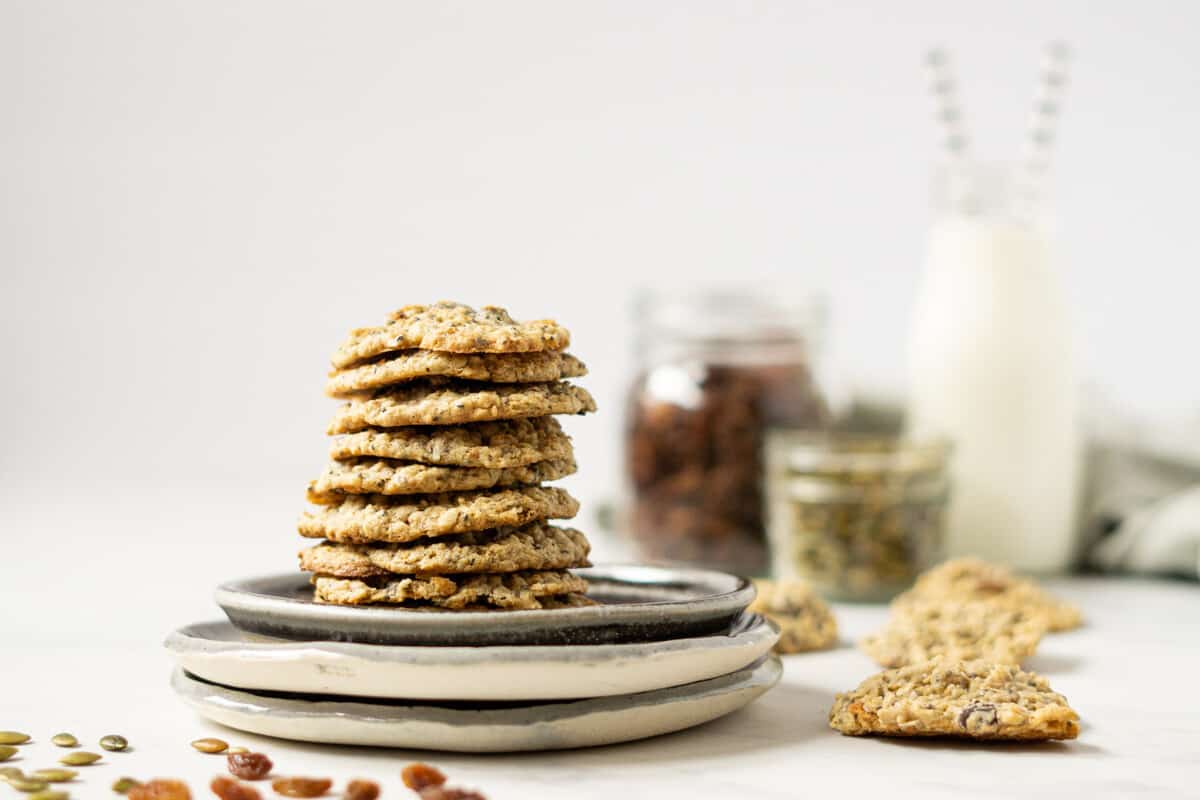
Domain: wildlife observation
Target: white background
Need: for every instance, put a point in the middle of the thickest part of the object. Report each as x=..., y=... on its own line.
x=201, y=198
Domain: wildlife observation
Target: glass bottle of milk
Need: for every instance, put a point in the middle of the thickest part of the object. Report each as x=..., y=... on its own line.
x=992, y=367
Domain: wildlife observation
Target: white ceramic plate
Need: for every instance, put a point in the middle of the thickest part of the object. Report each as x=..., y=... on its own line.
x=637, y=604
x=220, y=653
x=479, y=728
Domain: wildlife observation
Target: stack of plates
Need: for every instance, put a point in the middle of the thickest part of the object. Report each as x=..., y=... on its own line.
x=665, y=650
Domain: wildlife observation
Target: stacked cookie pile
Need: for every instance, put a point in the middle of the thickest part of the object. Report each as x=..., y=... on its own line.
x=433, y=497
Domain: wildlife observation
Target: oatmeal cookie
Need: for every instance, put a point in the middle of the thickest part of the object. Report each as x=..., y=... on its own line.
x=504, y=443
x=410, y=365
x=969, y=631
x=511, y=591
x=536, y=546
x=973, y=699
x=805, y=621
x=405, y=518
x=447, y=402
x=453, y=328
x=368, y=476
x=974, y=579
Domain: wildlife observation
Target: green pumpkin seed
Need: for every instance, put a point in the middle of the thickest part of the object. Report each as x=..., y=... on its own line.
x=80, y=758
x=7, y=751
x=7, y=773
x=123, y=785
x=49, y=795
x=114, y=742
x=27, y=785
x=53, y=775
x=13, y=737
x=64, y=740
x=210, y=745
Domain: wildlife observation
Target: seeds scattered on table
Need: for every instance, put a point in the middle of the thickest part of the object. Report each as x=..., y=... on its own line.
x=211, y=745
x=249, y=766
x=362, y=790
x=64, y=740
x=13, y=737
x=53, y=775
x=80, y=758
x=161, y=789
x=7, y=751
x=114, y=742
x=27, y=784
x=301, y=787
x=229, y=789
x=123, y=785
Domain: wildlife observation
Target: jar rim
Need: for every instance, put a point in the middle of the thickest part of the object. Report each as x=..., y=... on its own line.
x=809, y=452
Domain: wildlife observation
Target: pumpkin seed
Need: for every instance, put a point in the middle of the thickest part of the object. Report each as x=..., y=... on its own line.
x=123, y=785
x=13, y=737
x=233, y=751
x=53, y=775
x=49, y=794
x=27, y=785
x=64, y=740
x=80, y=758
x=7, y=773
x=114, y=742
x=210, y=745
x=7, y=751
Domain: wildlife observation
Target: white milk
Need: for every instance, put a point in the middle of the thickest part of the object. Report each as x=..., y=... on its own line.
x=992, y=368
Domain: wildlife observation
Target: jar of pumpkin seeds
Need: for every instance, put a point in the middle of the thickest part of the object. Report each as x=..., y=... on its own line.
x=857, y=517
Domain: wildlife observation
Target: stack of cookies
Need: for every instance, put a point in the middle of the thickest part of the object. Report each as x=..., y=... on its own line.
x=434, y=497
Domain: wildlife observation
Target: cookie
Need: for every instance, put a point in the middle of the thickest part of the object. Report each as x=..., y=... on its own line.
x=448, y=402
x=511, y=591
x=970, y=631
x=536, y=546
x=805, y=621
x=376, y=476
x=964, y=579
x=973, y=699
x=412, y=365
x=504, y=443
x=453, y=328
x=404, y=518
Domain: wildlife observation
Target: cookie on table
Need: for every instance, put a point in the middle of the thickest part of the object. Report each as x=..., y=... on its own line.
x=511, y=591
x=805, y=621
x=405, y=518
x=443, y=401
x=502, y=443
x=408, y=365
x=537, y=546
x=971, y=699
x=376, y=476
x=453, y=328
x=965, y=579
x=920, y=631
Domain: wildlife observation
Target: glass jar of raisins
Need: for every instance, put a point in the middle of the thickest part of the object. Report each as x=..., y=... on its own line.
x=717, y=370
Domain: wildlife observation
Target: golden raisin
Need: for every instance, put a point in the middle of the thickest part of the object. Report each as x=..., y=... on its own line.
x=229, y=789
x=249, y=766
x=420, y=776
x=301, y=787
x=160, y=789
x=362, y=790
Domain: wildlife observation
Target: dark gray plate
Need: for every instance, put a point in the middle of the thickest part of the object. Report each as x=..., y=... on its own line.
x=637, y=604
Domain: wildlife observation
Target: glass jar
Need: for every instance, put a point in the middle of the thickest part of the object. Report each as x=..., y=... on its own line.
x=856, y=517
x=716, y=371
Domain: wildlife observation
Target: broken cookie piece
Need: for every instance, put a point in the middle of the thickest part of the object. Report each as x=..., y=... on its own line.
x=972, y=699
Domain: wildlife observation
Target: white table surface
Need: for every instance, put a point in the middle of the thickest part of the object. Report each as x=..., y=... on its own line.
x=84, y=607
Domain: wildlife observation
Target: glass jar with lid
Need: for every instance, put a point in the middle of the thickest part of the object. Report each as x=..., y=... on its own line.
x=856, y=517
x=717, y=370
